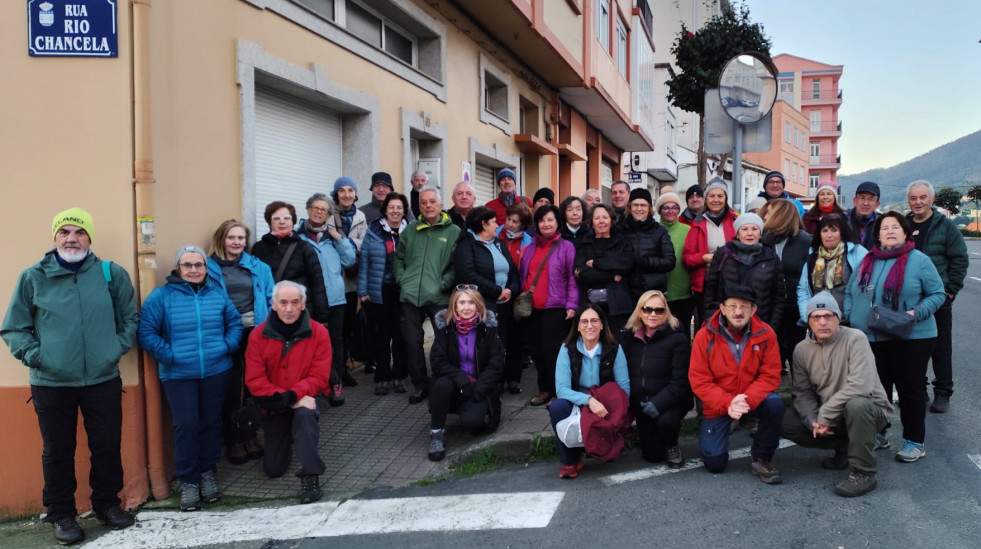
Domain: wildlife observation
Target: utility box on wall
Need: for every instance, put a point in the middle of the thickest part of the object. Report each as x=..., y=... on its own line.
x=431, y=167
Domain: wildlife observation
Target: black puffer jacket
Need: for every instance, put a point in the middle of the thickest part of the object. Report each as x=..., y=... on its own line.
x=793, y=260
x=658, y=368
x=303, y=268
x=474, y=264
x=489, y=363
x=652, y=254
x=764, y=275
x=611, y=257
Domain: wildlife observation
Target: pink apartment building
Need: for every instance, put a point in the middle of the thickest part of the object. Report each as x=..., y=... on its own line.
x=789, y=150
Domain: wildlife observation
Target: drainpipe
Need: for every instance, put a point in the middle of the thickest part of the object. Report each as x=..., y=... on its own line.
x=146, y=240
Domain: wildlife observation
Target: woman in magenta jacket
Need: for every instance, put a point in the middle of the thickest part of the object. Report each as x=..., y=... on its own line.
x=555, y=298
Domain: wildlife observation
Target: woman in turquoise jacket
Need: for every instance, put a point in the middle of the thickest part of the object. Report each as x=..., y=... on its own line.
x=824, y=269
x=894, y=275
x=248, y=281
x=192, y=329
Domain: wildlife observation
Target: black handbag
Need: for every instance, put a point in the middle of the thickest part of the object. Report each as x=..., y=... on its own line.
x=248, y=418
x=898, y=324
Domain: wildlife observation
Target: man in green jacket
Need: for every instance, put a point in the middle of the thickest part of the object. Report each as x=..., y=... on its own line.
x=839, y=402
x=937, y=236
x=424, y=272
x=70, y=320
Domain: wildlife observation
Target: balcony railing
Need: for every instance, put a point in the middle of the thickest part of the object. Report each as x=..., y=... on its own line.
x=826, y=126
x=825, y=160
x=821, y=95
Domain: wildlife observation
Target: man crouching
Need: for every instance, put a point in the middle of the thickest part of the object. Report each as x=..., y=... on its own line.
x=839, y=402
x=287, y=365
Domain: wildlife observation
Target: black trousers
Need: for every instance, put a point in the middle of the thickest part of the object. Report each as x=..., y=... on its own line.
x=391, y=361
x=286, y=430
x=57, y=416
x=903, y=364
x=444, y=399
x=237, y=392
x=511, y=333
x=412, y=337
x=547, y=328
x=336, y=321
x=660, y=433
x=682, y=309
x=943, y=375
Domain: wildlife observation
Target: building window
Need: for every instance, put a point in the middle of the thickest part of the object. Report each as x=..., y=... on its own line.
x=603, y=24
x=496, y=86
x=796, y=138
x=793, y=173
x=323, y=8
x=786, y=166
x=622, y=47
x=815, y=149
x=817, y=89
x=815, y=121
x=495, y=96
x=786, y=86
x=378, y=32
x=786, y=132
x=814, y=180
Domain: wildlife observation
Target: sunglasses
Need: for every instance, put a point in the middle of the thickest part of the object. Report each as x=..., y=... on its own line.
x=648, y=310
x=462, y=287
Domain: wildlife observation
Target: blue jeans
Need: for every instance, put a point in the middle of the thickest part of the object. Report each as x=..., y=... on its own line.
x=195, y=408
x=558, y=410
x=713, y=434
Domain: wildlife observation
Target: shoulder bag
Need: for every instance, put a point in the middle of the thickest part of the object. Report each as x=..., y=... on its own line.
x=523, y=303
x=897, y=324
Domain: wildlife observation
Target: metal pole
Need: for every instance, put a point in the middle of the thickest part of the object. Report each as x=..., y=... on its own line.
x=737, y=170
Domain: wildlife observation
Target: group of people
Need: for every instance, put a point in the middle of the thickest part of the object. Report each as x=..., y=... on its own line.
x=601, y=296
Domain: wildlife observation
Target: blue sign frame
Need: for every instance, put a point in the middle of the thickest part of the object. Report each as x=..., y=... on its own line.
x=72, y=28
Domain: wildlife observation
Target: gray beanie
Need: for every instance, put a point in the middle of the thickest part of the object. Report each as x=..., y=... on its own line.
x=823, y=300
x=190, y=248
x=717, y=183
x=748, y=218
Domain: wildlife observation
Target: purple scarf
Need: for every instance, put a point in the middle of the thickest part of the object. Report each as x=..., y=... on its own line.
x=894, y=280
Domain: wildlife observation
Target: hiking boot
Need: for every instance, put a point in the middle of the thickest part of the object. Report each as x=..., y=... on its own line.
x=67, y=531
x=418, y=396
x=881, y=442
x=837, y=463
x=236, y=453
x=190, y=497
x=381, y=388
x=541, y=398
x=369, y=367
x=349, y=380
x=398, y=386
x=941, y=402
x=675, y=461
x=210, y=492
x=437, y=451
x=570, y=471
x=857, y=483
x=115, y=518
x=911, y=451
x=514, y=388
x=310, y=489
x=335, y=397
x=253, y=449
x=765, y=471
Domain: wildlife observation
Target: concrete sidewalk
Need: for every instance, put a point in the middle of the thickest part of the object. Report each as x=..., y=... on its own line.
x=382, y=441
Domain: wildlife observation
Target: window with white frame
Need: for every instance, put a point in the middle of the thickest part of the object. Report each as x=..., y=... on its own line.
x=786, y=86
x=814, y=180
x=816, y=90
x=786, y=132
x=815, y=121
x=796, y=138
x=603, y=23
x=622, y=47
x=495, y=97
x=786, y=166
x=793, y=173
x=815, y=149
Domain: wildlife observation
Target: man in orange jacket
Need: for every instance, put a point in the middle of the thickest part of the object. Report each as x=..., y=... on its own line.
x=735, y=371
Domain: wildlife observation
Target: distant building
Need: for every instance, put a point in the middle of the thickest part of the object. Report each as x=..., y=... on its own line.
x=789, y=150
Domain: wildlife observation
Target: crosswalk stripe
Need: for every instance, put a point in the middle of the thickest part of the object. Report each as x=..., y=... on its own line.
x=976, y=459
x=442, y=514
x=658, y=470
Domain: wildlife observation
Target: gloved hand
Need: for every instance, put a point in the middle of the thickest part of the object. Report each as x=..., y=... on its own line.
x=650, y=409
x=277, y=401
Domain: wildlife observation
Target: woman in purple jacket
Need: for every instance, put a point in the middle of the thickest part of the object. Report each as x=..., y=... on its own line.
x=555, y=296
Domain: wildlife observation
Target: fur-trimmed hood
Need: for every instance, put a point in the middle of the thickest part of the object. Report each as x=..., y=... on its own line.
x=440, y=319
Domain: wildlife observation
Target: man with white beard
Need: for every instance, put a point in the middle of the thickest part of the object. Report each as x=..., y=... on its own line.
x=71, y=318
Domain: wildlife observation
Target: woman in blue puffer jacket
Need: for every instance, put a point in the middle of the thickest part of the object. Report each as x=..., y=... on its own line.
x=191, y=328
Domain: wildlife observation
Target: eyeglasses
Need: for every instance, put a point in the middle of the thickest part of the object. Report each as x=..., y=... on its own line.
x=462, y=287
x=317, y=209
x=670, y=208
x=740, y=307
x=588, y=321
x=658, y=310
x=822, y=317
x=190, y=266
x=277, y=218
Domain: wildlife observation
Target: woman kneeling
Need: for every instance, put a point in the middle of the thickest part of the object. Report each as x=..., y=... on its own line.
x=468, y=361
x=589, y=359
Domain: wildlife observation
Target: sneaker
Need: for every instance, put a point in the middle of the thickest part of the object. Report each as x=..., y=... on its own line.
x=310, y=489
x=115, y=518
x=911, y=451
x=253, y=449
x=418, y=396
x=437, y=451
x=675, y=460
x=541, y=398
x=369, y=367
x=349, y=380
x=941, y=402
x=335, y=397
x=210, y=492
x=190, y=497
x=236, y=453
x=398, y=386
x=857, y=483
x=837, y=463
x=570, y=471
x=514, y=388
x=67, y=531
x=881, y=442
x=381, y=388
x=765, y=471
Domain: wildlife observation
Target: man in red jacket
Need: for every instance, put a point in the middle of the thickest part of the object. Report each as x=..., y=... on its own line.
x=287, y=365
x=735, y=371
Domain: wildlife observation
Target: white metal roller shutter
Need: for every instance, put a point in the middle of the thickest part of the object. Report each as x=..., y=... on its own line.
x=483, y=184
x=298, y=152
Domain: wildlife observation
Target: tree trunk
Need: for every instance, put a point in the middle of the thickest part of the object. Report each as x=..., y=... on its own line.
x=701, y=152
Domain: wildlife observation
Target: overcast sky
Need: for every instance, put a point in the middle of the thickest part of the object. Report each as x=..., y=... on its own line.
x=912, y=69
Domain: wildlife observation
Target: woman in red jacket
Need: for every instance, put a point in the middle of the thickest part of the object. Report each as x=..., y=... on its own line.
x=708, y=234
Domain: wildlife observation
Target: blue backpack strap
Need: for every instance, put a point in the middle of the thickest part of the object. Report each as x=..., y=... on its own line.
x=106, y=272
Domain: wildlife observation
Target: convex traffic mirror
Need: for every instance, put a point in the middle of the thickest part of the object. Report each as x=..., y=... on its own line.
x=748, y=87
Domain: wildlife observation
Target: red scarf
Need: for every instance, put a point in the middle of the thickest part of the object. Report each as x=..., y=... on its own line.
x=463, y=326
x=894, y=280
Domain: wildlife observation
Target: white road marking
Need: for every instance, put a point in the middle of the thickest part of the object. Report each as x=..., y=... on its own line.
x=976, y=459
x=160, y=529
x=975, y=278
x=442, y=514
x=659, y=470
